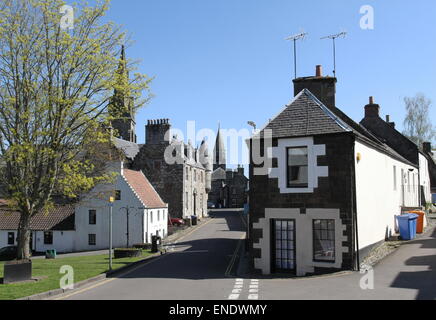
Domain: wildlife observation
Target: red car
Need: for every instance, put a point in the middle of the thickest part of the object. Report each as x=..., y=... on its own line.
x=176, y=222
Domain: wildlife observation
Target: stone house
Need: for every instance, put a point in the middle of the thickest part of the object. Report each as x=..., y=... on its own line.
x=328, y=189
x=229, y=187
x=180, y=172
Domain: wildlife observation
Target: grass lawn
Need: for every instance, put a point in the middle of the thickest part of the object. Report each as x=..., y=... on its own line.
x=84, y=267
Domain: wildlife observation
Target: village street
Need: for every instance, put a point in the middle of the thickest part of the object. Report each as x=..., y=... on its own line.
x=199, y=269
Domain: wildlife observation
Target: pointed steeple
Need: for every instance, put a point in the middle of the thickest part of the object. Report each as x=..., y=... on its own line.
x=121, y=104
x=219, y=152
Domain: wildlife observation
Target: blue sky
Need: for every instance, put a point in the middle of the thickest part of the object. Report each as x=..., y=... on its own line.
x=227, y=60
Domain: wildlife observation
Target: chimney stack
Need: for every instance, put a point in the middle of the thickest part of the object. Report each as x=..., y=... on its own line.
x=319, y=71
x=426, y=146
x=372, y=110
x=324, y=88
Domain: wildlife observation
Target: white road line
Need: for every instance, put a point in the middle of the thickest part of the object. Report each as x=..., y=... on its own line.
x=253, y=297
x=234, y=297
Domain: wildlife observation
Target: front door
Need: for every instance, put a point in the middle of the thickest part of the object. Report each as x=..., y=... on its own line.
x=283, y=246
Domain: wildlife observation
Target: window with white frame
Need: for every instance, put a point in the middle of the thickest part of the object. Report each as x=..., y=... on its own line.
x=297, y=167
x=324, y=240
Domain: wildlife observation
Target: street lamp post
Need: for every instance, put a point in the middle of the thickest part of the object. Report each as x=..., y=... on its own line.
x=111, y=205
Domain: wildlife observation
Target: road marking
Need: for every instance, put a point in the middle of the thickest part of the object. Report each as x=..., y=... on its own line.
x=234, y=256
x=238, y=288
x=254, y=290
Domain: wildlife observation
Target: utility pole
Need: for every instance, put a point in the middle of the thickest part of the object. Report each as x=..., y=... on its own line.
x=294, y=38
x=127, y=231
x=111, y=204
x=333, y=37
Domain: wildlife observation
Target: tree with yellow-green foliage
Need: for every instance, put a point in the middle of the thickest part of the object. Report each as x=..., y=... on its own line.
x=55, y=87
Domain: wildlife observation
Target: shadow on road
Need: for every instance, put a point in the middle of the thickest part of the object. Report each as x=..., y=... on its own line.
x=423, y=281
x=206, y=257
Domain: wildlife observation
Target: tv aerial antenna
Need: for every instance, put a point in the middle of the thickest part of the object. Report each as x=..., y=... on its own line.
x=295, y=38
x=333, y=37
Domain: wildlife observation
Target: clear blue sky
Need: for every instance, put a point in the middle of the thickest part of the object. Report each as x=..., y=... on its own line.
x=227, y=60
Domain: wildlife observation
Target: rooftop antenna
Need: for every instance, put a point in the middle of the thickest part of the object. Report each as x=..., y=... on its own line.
x=294, y=38
x=334, y=37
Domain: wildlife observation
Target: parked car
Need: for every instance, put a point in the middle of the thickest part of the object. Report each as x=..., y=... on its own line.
x=8, y=253
x=176, y=222
x=211, y=205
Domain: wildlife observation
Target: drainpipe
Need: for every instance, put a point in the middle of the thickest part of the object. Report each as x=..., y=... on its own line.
x=355, y=230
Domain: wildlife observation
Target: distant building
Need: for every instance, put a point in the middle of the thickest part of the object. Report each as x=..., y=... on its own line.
x=185, y=183
x=229, y=187
x=138, y=213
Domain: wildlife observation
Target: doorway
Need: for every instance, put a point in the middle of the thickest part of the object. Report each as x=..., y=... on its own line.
x=283, y=244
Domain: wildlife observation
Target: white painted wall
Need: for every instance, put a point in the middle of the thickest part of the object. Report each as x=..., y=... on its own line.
x=378, y=201
x=155, y=223
x=97, y=200
x=424, y=177
x=4, y=238
x=63, y=241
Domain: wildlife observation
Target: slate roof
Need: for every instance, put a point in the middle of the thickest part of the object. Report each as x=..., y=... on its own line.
x=219, y=174
x=307, y=116
x=143, y=188
x=130, y=149
x=59, y=218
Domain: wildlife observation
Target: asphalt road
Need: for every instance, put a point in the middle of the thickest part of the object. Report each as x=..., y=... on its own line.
x=199, y=267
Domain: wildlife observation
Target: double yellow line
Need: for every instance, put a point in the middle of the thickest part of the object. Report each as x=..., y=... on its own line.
x=235, y=255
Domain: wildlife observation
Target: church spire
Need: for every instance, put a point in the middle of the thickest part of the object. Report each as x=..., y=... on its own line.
x=121, y=104
x=219, y=151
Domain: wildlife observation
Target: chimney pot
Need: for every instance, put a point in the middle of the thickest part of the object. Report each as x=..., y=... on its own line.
x=426, y=146
x=372, y=110
x=319, y=71
x=388, y=119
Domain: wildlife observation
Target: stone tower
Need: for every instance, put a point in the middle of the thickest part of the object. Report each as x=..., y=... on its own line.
x=219, y=152
x=121, y=106
x=205, y=160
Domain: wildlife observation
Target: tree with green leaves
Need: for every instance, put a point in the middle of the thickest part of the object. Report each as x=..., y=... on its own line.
x=55, y=88
x=417, y=124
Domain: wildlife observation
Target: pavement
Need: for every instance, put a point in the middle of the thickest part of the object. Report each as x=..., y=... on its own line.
x=407, y=274
x=202, y=265
x=74, y=254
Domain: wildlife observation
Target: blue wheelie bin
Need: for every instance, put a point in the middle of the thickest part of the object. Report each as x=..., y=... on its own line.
x=407, y=226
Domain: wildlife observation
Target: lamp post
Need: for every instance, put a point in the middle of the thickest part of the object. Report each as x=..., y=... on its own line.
x=111, y=205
